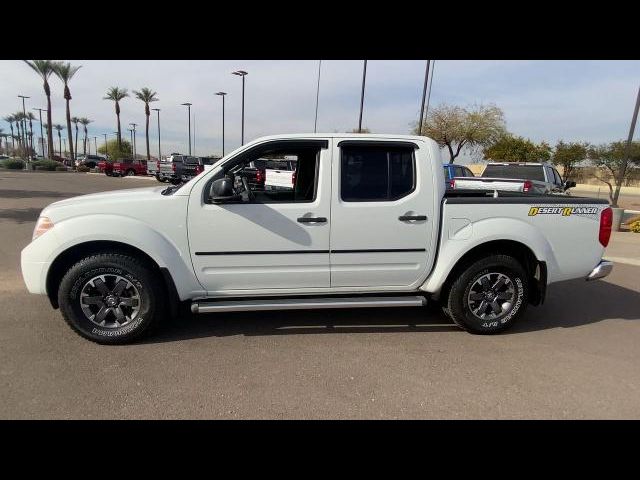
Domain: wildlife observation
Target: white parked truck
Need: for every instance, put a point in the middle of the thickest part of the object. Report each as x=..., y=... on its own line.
x=525, y=177
x=367, y=224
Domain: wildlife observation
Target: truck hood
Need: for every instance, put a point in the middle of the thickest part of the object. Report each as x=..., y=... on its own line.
x=114, y=202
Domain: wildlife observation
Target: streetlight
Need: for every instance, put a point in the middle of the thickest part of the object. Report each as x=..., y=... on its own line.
x=131, y=137
x=158, y=110
x=424, y=96
x=106, y=148
x=433, y=67
x=134, y=125
x=222, y=94
x=24, y=122
x=241, y=73
x=188, y=105
x=364, y=76
x=40, y=110
x=315, y=123
x=95, y=144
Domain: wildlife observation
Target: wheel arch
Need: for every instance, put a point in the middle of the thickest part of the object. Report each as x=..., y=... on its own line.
x=73, y=254
x=536, y=269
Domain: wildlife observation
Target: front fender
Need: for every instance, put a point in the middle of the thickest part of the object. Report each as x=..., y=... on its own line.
x=168, y=253
x=454, y=247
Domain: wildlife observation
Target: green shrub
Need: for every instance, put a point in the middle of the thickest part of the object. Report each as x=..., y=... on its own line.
x=14, y=164
x=635, y=226
x=83, y=168
x=61, y=168
x=49, y=165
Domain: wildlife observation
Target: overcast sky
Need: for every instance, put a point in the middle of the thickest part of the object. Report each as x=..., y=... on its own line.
x=543, y=100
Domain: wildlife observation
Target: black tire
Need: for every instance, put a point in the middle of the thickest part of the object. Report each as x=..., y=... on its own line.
x=490, y=270
x=130, y=173
x=145, y=287
x=160, y=179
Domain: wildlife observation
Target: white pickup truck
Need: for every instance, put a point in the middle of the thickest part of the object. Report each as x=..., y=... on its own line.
x=367, y=224
x=525, y=177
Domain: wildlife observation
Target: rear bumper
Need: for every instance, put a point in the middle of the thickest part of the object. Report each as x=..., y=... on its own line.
x=603, y=269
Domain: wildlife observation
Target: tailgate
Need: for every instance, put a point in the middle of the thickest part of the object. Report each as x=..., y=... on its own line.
x=279, y=178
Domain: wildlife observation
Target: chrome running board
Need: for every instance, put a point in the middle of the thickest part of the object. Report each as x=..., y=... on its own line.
x=305, y=303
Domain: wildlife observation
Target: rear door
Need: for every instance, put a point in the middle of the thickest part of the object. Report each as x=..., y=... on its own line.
x=382, y=214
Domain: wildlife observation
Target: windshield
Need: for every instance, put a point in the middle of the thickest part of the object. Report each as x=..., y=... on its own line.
x=522, y=172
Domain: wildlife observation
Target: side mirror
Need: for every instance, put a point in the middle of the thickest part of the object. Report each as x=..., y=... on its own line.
x=569, y=184
x=221, y=191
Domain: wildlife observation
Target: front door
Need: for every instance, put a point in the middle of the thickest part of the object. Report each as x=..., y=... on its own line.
x=382, y=214
x=269, y=240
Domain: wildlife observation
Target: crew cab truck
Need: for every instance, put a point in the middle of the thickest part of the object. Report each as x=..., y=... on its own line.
x=367, y=224
x=129, y=168
x=526, y=177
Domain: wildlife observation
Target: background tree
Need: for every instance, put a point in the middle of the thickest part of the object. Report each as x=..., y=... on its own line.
x=510, y=148
x=147, y=96
x=456, y=127
x=44, y=68
x=355, y=130
x=59, y=128
x=85, y=121
x=568, y=155
x=116, y=150
x=31, y=117
x=65, y=72
x=75, y=121
x=10, y=119
x=609, y=158
x=116, y=94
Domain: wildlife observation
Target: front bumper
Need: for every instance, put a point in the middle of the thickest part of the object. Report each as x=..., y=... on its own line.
x=603, y=269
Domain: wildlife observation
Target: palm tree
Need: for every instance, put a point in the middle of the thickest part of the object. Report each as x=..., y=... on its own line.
x=44, y=68
x=147, y=96
x=10, y=119
x=85, y=121
x=75, y=121
x=65, y=72
x=18, y=119
x=31, y=117
x=59, y=128
x=116, y=94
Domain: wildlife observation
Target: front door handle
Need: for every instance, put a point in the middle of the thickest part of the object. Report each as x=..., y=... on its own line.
x=312, y=220
x=406, y=218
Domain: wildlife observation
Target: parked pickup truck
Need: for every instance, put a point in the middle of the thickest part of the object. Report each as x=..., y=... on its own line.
x=170, y=168
x=129, y=168
x=516, y=177
x=367, y=224
x=194, y=166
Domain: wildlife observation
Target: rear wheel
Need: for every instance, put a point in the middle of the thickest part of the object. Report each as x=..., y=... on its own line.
x=489, y=296
x=111, y=298
x=131, y=173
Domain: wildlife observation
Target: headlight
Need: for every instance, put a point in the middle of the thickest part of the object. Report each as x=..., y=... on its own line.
x=42, y=225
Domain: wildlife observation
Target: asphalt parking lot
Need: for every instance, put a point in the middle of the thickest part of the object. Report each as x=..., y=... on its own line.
x=578, y=356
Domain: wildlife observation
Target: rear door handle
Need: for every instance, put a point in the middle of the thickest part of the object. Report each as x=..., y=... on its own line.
x=406, y=218
x=312, y=220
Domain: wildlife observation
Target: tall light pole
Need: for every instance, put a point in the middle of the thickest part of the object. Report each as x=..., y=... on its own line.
x=364, y=76
x=95, y=144
x=222, y=94
x=158, y=110
x=134, y=125
x=24, y=122
x=426, y=110
x=424, y=97
x=315, y=123
x=188, y=105
x=241, y=73
x=627, y=152
x=40, y=110
x=106, y=148
x=131, y=137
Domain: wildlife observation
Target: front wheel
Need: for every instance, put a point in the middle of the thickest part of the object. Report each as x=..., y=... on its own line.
x=131, y=173
x=111, y=298
x=490, y=295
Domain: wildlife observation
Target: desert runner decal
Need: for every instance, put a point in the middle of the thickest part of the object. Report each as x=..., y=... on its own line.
x=563, y=211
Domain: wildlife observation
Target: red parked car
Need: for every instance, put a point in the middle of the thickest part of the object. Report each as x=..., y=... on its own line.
x=128, y=167
x=105, y=167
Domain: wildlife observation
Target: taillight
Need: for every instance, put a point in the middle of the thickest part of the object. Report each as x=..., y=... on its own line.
x=259, y=176
x=527, y=186
x=606, y=222
x=158, y=165
x=173, y=167
x=199, y=169
x=293, y=179
x=452, y=183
